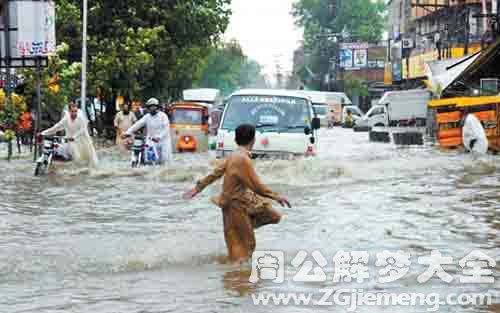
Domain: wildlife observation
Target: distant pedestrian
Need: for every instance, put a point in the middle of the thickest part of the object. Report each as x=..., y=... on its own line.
x=123, y=121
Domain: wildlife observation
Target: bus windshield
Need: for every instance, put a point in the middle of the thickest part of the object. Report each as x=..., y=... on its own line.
x=271, y=113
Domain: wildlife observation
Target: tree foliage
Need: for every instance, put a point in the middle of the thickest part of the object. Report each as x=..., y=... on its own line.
x=363, y=19
x=358, y=20
x=60, y=81
x=136, y=48
x=227, y=68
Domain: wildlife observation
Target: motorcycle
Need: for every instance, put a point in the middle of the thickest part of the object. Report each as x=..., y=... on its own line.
x=144, y=152
x=49, y=147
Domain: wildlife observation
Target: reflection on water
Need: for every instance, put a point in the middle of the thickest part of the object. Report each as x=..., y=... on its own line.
x=122, y=240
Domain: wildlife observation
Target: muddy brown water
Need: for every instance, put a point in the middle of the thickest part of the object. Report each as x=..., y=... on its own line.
x=118, y=240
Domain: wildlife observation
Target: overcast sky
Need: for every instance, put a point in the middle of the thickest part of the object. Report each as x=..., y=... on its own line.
x=266, y=31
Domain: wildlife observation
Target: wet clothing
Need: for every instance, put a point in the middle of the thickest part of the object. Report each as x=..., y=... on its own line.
x=122, y=123
x=157, y=126
x=241, y=203
x=81, y=150
x=474, y=136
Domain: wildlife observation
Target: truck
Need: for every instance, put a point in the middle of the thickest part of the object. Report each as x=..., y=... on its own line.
x=398, y=108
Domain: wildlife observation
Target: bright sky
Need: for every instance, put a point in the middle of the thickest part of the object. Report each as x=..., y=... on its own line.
x=266, y=31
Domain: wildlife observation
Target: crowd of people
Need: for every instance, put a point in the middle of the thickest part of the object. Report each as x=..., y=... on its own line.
x=244, y=200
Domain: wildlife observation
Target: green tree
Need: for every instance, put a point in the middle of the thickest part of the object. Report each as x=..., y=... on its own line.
x=60, y=82
x=364, y=19
x=136, y=48
x=227, y=68
x=355, y=86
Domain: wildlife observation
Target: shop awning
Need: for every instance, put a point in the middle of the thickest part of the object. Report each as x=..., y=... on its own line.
x=441, y=74
x=486, y=65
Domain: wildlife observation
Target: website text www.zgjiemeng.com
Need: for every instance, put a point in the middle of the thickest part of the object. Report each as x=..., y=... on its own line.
x=355, y=298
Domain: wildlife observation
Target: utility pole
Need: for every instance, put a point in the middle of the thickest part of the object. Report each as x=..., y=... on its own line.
x=6, y=18
x=84, y=57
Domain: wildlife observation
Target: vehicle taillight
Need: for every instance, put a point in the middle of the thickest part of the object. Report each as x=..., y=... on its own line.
x=310, y=151
x=220, y=146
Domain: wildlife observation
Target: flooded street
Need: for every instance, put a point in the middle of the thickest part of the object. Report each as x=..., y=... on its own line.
x=118, y=240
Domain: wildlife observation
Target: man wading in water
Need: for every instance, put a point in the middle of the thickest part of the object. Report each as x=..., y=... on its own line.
x=242, y=209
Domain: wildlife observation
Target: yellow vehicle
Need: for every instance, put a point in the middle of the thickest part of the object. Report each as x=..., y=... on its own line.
x=449, y=114
x=189, y=126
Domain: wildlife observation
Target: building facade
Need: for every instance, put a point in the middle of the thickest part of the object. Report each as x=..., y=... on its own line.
x=428, y=30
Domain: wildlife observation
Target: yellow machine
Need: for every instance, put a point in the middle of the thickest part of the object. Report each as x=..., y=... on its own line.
x=449, y=114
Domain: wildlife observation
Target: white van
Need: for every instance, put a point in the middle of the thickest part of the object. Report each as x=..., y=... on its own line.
x=284, y=120
x=320, y=105
x=327, y=105
x=398, y=108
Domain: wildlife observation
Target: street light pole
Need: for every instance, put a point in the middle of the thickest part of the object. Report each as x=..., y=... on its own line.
x=84, y=57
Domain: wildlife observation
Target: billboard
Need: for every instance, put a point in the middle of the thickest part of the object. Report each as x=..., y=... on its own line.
x=397, y=74
x=346, y=60
x=36, y=35
x=355, y=46
x=33, y=32
x=360, y=58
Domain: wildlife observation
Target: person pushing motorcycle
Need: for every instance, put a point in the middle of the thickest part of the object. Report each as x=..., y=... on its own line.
x=157, y=130
x=79, y=148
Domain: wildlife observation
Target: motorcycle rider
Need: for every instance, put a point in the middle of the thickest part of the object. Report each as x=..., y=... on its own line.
x=79, y=147
x=157, y=129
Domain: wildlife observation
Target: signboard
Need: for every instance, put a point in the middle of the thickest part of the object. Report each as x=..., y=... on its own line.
x=396, y=71
x=354, y=46
x=346, y=58
x=31, y=31
x=418, y=64
x=36, y=34
x=360, y=58
x=388, y=74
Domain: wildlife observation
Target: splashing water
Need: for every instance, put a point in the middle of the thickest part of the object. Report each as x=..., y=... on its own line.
x=118, y=239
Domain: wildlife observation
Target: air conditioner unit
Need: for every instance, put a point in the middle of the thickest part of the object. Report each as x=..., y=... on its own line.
x=407, y=43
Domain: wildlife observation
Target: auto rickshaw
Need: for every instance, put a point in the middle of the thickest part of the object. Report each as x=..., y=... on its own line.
x=449, y=113
x=189, y=126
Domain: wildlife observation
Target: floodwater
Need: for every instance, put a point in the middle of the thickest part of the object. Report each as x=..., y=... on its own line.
x=119, y=240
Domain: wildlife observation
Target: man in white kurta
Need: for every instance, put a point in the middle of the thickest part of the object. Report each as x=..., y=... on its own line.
x=79, y=146
x=157, y=130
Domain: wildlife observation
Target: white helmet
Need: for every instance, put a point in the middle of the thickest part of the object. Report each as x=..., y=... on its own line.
x=152, y=102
